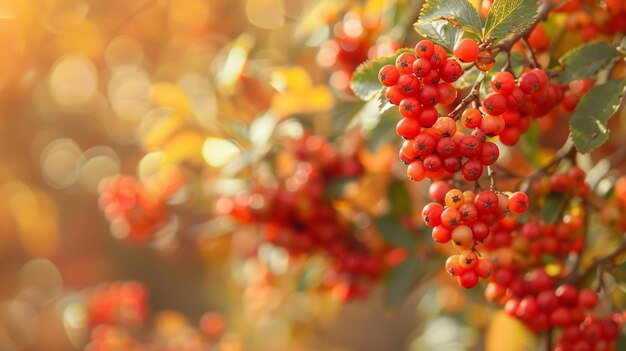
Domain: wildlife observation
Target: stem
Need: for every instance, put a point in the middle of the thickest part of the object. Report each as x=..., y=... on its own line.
x=598, y=263
x=531, y=52
x=473, y=96
x=492, y=178
x=546, y=341
x=569, y=152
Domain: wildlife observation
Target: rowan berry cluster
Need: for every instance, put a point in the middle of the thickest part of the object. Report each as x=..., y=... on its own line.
x=297, y=216
x=118, y=303
x=592, y=19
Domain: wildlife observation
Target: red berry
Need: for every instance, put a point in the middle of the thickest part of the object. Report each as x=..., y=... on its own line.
x=453, y=266
x=408, y=128
x=489, y=153
x=431, y=214
x=409, y=107
x=468, y=279
x=424, y=49
x=428, y=117
x=471, y=118
x=472, y=170
x=446, y=147
x=518, y=202
x=484, y=268
x=450, y=71
x=421, y=67
x=409, y=85
x=587, y=298
x=441, y=234
x=439, y=56
x=484, y=61
x=394, y=95
x=416, y=171
x=503, y=83
x=450, y=218
x=466, y=50
x=388, y=75
x=446, y=93
x=428, y=96
x=468, y=259
x=529, y=83
x=404, y=62
x=424, y=144
x=494, y=104
x=470, y=146
x=492, y=125
x=486, y=201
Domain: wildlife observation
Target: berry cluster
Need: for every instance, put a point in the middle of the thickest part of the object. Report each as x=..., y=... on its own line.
x=135, y=214
x=119, y=303
x=354, y=40
x=465, y=220
x=295, y=214
x=592, y=333
x=592, y=19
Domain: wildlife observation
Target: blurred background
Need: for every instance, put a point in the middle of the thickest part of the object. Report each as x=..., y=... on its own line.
x=195, y=101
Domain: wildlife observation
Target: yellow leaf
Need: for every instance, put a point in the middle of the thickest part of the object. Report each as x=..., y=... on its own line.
x=506, y=333
x=316, y=99
x=170, y=95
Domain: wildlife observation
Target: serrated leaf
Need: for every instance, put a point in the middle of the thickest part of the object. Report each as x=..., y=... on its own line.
x=391, y=230
x=442, y=33
x=399, y=200
x=383, y=103
x=586, y=60
x=458, y=13
x=365, y=82
x=508, y=17
x=400, y=281
x=588, y=126
x=552, y=206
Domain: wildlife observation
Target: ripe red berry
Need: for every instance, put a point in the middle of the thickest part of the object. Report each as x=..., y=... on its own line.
x=470, y=146
x=431, y=214
x=468, y=279
x=446, y=93
x=509, y=136
x=453, y=266
x=489, y=153
x=494, y=104
x=450, y=71
x=484, y=267
x=421, y=67
x=468, y=259
x=472, y=170
x=432, y=163
x=409, y=107
x=446, y=147
x=428, y=96
x=492, y=125
x=503, y=83
x=486, y=201
x=424, y=49
x=408, y=128
x=587, y=298
x=416, y=171
x=466, y=50
x=450, y=218
x=404, y=62
x=454, y=198
x=529, y=83
x=471, y=118
x=424, y=144
x=388, y=75
x=428, y=117
x=439, y=56
x=394, y=95
x=409, y=84
x=518, y=202
x=441, y=234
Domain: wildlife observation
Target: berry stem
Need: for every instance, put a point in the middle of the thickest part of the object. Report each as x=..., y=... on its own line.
x=492, y=178
x=473, y=96
x=598, y=263
x=531, y=52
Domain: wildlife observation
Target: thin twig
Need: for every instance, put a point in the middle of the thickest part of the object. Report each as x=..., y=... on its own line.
x=531, y=52
x=473, y=96
x=597, y=263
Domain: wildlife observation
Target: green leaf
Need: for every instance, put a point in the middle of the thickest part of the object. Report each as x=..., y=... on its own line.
x=391, y=230
x=401, y=280
x=588, y=126
x=436, y=15
x=441, y=33
x=365, y=82
x=552, y=206
x=383, y=103
x=399, y=200
x=586, y=60
x=508, y=17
